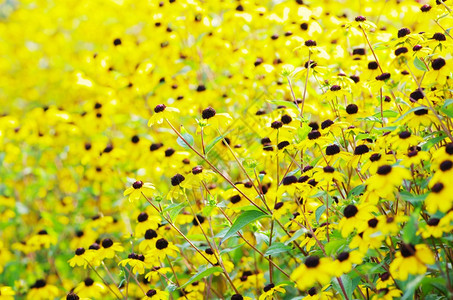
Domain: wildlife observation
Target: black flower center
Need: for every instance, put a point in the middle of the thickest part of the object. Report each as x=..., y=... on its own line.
x=350, y=211
x=446, y=165
x=403, y=32
x=312, y=261
x=208, y=113
x=142, y=217
x=80, y=251
x=278, y=205
x=361, y=149
x=88, y=281
x=310, y=43
x=107, y=243
x=343, y=256
x=276, y=124
x=150, y=234
x=384, y=170
x=177, y=179
x=289, y=180
x=159, y=108
x=235, y=199
x=360, y=19
x=433, y=222
x=286, y=119
x=197, y=170
x=438, y=187
x=407, y=250
x=373, y=222
x=314, y=134
x=328, y=169
x=352, y=109
x=269, y=287
x=151, y=293
x=282, y=145
x=438, y=63
x=332, y=149
x=137, y=184
x=161, y=244
x=200, y=220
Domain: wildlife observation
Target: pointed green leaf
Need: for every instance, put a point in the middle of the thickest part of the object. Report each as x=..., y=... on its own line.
x=277, y=248
x=243, y=220
x=201, y=275
x=420, y=65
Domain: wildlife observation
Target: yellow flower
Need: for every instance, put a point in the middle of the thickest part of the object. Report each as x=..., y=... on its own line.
x=135, y=191
x=355, y=217
x=156, y=295
x=314, y=270
x=80, y=258
x=411, y=260
x=270, y=290
x=136, y=261
x=162, y=112
x=162, y=248
x=345, y=260
x=90, y=289
x=6, y=293
x=41, y=291
x=109, y=249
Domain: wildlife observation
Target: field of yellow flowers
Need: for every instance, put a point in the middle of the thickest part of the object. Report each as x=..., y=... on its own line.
x=189, y=149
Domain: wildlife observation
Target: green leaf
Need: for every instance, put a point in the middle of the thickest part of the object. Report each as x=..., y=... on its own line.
x=420, y=65
x=201, y=275
x=277, y=248
x=414, y=109
x=174, y=209
x=411, y=286
x=357, y=190
x=319, y=211
x=416, y=200
x=302, y=132
x=411, y=228
x=347, y=284
x=296, y=235
x=333, y=246
x=447, y=108
x=243, y=220
x=285, y=103
x=212, y=143
x=431, y=142
x=187, y=136
x=386, y=114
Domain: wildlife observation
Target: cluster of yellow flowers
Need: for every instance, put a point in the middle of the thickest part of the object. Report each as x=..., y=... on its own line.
x=185, y=149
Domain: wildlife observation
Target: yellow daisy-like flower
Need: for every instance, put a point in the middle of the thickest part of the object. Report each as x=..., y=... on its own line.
x=7, y=293
x=109, y=249
x=387, y=294
x=345, y=260
x=355, y=217
x=136, y=261
x=156, y=295
x=135, y=191
x=386, y=179
x=90, y=289
x=360, y=22
x=440, y=198
x=270, y=290
x=80, y=258
x=162, y=249
x=42, y=291
x=314, y=270
x=411, y=260
x=436, y=227
x=162, y=112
